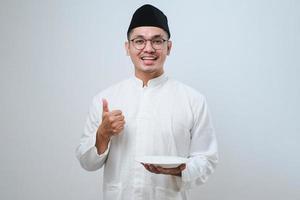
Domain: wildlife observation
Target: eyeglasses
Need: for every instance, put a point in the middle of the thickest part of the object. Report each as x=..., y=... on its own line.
x=156, y=43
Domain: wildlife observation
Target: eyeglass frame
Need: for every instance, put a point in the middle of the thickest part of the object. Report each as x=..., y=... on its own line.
x=151, y=42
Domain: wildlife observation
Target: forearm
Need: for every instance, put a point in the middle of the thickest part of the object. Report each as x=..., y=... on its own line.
x=88, y=155
x=101, y=142
x=91, y=160
x=198, y=169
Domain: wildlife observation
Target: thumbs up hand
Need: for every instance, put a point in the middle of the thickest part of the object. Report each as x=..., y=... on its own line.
x=112, y=121
x=112, y=124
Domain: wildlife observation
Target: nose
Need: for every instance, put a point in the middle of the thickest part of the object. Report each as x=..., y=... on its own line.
x=148, y=47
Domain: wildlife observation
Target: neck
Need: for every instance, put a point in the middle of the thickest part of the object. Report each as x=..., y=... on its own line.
x=145, y=77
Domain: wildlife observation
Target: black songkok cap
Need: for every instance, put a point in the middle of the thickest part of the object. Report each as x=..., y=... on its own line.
x=148, y=15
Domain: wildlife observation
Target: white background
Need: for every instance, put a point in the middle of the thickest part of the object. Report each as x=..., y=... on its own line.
x=244, y=56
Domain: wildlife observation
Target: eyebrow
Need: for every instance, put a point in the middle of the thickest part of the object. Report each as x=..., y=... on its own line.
x=155, y=36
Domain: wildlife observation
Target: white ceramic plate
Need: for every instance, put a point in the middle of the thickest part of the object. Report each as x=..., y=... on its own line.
x=162, y=161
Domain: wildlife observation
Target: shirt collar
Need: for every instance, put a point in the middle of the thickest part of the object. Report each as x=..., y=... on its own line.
x=152, y=82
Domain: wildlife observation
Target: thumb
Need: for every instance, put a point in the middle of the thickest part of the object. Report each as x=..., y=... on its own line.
x=105, y=105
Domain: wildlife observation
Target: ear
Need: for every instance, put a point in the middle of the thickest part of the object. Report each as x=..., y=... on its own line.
x=127, y=48
x=169, y=47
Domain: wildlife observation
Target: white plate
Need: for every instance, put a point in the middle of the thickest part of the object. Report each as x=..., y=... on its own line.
x=162, y=161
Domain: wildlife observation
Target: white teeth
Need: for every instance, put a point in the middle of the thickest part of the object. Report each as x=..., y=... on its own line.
x=148, y=58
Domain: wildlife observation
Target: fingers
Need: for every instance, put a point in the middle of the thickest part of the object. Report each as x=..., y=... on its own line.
x=112, y=113
x=168, y=171
x=116, y=112
x=172, y=171
x=151, y=168
x=118, y=127
x=105, y=105
x=106, y=109
x=116, y=123
x=116, y=118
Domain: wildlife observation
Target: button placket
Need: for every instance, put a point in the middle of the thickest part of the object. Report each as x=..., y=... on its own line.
x=139, y=140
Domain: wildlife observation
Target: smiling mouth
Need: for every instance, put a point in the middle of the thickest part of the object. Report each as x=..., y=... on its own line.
x=148, y=58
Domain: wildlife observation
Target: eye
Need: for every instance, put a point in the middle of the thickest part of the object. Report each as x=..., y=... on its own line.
x=139, y=41
x=157, y=41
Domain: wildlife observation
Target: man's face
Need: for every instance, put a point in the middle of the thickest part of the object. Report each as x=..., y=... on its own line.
x=148, y=60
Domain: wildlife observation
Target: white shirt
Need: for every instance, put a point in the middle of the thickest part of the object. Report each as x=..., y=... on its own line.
x=166, y=118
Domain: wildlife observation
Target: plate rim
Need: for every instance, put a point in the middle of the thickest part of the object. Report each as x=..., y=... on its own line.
x=181, y=160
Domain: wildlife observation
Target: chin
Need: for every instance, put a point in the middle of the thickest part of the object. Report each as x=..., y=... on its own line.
x=148, y=68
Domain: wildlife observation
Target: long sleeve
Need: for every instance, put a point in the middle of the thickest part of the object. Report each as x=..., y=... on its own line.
x=203, y=156
x=86, y=152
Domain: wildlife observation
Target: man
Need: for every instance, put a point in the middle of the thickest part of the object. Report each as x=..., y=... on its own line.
x=149, y=114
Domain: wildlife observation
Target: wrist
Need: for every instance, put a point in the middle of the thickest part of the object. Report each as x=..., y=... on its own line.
x=102, y=134
x=179, y=174
x=102, y=141
x=104, y=137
